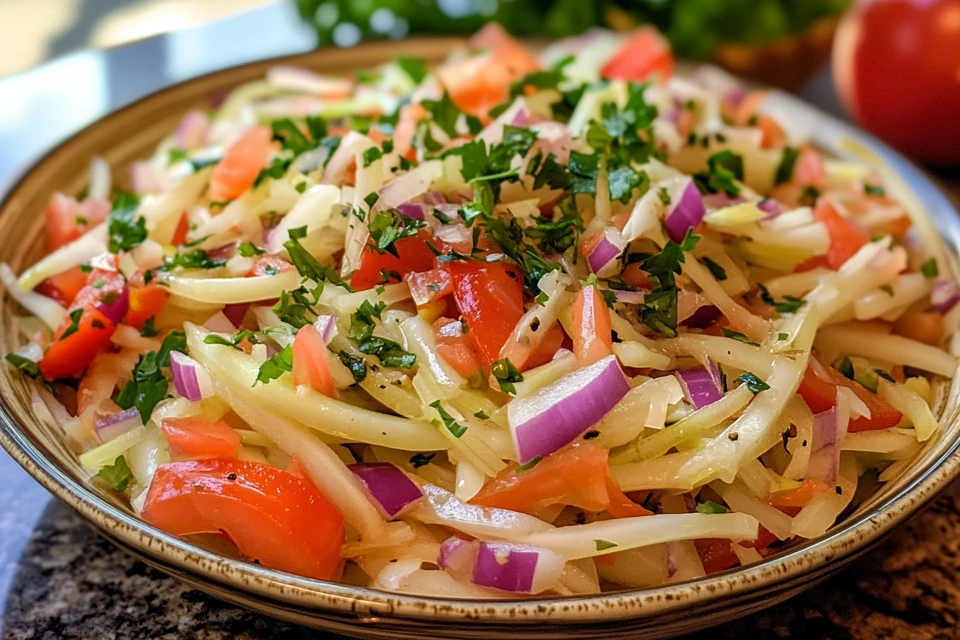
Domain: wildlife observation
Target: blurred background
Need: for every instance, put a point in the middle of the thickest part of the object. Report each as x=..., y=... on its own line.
x=895, y=65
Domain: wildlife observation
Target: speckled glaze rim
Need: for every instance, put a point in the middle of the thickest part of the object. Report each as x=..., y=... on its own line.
x=779, y=574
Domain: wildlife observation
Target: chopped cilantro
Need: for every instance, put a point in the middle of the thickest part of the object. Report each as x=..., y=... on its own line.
x=603, y=545
x=126, y=229
x=845, y=366
x=356, y=365
x=421, y=460
x=711, y=507
x=755, y=384
x=715, y=269
x=530, y=465
x=789, y=304
x=195, y=259
x=506, y=374
x=874, y=190
x=307, y=265
x=724, y=169
x=26, y=365
x=929, y=268
x=248, y=250
x=147, y=387
x=480, y=415
x=736, y=335
x=118, y=475
x=659, y=308
x=452, y=425
x=416, y=68
x=387, y=227
x=149, y=330
x=883, y=374
x=787, y=163
x=276, y=366
x=887, y=289
x=74, y=325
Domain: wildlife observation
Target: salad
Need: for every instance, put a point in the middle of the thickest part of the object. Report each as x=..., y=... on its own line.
x=514, y=325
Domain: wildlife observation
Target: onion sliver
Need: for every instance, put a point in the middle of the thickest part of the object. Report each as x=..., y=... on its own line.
x=117, y=306
x=557, y=414
x=506, y=566
x=945, y=295
x=41, y=306
x=326, y=326
x=232, y=290
x=602, y=257
x=686, y=214
x=116, y=424
x=611, y=536
x=699, y=386
x=191, y=380
x=391, y=489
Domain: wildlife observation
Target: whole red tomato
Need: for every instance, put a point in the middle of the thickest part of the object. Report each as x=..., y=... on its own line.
x=897, y=69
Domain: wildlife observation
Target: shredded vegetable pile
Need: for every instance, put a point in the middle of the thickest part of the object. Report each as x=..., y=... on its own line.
x=514, y=325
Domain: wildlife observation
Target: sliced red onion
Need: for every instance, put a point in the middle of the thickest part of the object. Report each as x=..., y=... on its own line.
x=824, y=463
x=326, y=326
x=699, y=386
x=116, y=424
x=391, y=489
x=703, y=317
x=307, y=81
x=672, y=551
x=714, y=372
x=235, y=313
x=189, y=377
x=456, y=234
x=343, y=157
x=558, y=414
x=629, y=297
x=219, y=323
x=408, y=186
x=411, y=210
x=506, y=566
x=224, y=252
x=456, y=554
x=603, y=256
x=192, y=130
x=520, y=118
x=945, y=295
x=721, y=200
x=771, y=207
x=517, y=568
x=434, y=198
x=116, y=309
x=687, y=212
x=144, y=178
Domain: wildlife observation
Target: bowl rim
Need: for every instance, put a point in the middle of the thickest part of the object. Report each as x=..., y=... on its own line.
x=838, y=545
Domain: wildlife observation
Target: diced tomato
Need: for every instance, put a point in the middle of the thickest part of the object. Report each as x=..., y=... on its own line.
x=146, y=301
x=310, y=365
x=273, y=517
x=66, y=219
x=592, y=336
x=455, y=348
x=636, y=277
x=819, y=390
x=811, y=263
x=410, y=116
x=547, y=348
x=195, y=437
x=478, y=83
x=69, y=356
x=183, y=228
x=577, y=475
x=63, y=287
x=846, y=237
x=644, y=54
x=799, y=497
x=773, y=134
x=809, y=169
x=239, y=167
x=717, y=555
x=415, y=256
x=427, y=286
x=923, y=326
x=489, y=297
x=268, y=266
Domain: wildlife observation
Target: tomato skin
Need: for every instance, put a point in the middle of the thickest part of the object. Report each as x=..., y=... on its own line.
x=895, y=67
x=577, y=475
x=66, y=219
x=195, y=437
x=429, y=285
x=455, y=348
x=593, y=337
x=645, y=53
x=799, y=497
x=546, y=349
x=274, y=517
x=68, y=357
x=489, y=297
x=415, y=256
x=180, y=234
x=63, y=287
x=269, y=265
x=846, y=237
x=819, y=390
x=310, y=365
x=479, y=83
x=146, y=301
x=239, y=167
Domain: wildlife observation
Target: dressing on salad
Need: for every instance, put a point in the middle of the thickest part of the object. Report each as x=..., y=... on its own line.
x=515, y=325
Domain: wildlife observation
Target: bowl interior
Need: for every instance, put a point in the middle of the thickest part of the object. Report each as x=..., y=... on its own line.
x=133, y=132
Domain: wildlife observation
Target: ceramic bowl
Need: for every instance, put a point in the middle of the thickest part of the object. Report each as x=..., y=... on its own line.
x=131, y=133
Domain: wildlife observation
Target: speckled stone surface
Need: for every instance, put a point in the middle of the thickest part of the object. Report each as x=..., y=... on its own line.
x=61, y=580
